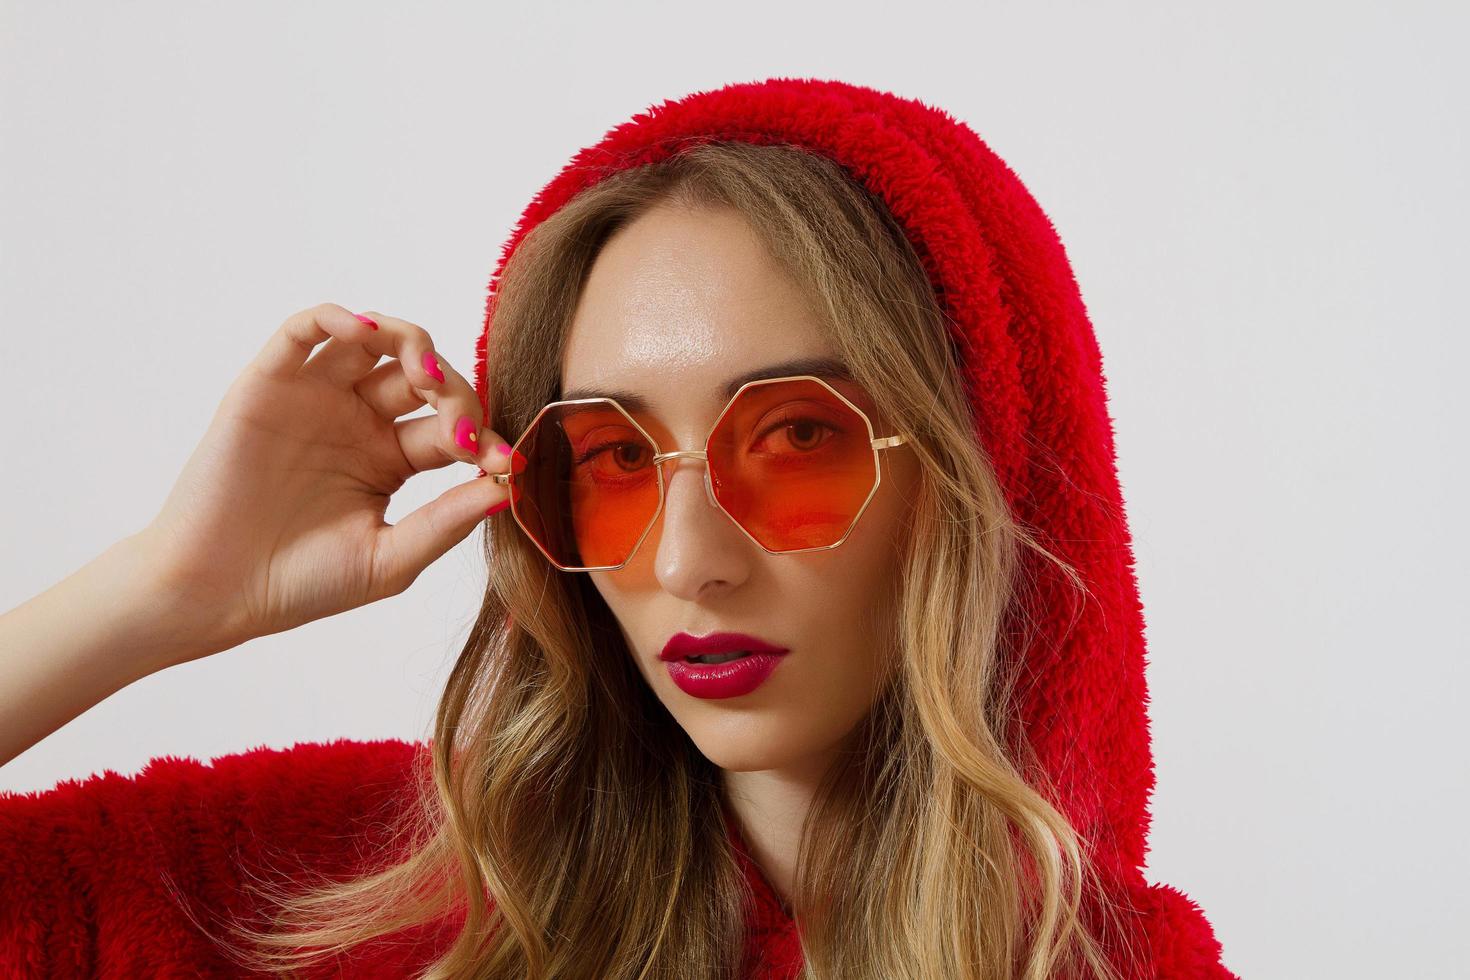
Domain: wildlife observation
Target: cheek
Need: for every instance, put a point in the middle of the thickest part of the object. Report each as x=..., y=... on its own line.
x=847, y=606
x=874, y=550
x=625, y=608
x=867, y=581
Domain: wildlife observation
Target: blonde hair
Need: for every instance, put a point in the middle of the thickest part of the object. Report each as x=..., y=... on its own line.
x=575, y=826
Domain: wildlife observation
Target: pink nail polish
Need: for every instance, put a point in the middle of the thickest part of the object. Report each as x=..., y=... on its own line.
x=498, y=507
x=367, y=319
x=465, y=434
x=432, y=366
x=503, y=449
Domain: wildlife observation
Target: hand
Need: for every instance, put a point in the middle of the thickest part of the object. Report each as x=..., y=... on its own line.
x=277, y=518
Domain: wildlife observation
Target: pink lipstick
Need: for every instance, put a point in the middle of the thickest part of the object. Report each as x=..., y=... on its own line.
x=746, y=662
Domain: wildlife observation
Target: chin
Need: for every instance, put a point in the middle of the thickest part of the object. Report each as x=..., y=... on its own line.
x=740, y=758
x=738, y=748
x=746, y=745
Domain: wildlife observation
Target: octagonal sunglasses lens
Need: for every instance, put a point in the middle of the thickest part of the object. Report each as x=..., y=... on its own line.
x=793, y=464
x=585, y=488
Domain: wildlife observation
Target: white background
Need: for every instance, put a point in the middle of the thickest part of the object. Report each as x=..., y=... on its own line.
x=1265, y=205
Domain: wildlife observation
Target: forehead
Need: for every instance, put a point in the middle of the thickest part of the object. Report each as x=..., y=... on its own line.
x=827, y=368
x=684, y=306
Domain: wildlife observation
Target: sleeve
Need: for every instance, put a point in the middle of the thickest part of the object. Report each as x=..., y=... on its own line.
x=96, y=874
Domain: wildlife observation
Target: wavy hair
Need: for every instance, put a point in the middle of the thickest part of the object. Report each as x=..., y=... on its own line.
x=573, y=825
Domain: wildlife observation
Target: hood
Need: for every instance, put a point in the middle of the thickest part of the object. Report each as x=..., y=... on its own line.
x=1034, y=375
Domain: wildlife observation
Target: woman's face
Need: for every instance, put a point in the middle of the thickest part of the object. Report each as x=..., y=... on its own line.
x=677, y=304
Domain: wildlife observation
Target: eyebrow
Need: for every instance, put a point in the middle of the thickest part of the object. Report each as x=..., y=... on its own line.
x=828, y=368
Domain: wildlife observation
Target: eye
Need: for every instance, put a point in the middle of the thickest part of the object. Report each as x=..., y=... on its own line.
x=803, y=434
x=626, y=456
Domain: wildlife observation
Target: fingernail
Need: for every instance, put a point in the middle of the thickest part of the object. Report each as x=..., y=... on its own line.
x=498, y=507
x=503, y=449
x=432, y=366
x=372, y=323
x=465, y=434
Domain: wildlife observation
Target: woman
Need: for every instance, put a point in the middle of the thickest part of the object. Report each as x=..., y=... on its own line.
x=796, y=368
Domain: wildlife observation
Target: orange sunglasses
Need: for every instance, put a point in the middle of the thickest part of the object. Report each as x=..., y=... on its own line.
x=587, y=480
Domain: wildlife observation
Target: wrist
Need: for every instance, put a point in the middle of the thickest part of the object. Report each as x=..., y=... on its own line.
x=157, y=616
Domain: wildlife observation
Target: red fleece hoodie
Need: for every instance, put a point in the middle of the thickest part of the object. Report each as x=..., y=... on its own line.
x=85, y=867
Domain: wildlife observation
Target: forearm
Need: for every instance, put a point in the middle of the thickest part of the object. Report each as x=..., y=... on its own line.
x=82, y=640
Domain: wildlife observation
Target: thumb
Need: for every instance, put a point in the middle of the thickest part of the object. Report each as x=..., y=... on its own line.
x=423, y=536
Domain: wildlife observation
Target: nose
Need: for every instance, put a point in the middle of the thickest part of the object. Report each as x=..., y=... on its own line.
x=698, y=547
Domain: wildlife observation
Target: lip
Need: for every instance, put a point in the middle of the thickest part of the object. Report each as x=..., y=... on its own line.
x=683, y=645
x=718, y=681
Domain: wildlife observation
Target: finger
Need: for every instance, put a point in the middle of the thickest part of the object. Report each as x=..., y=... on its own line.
x=288, y=348
x=425, y=446
x=389, y=392
x=456, y=390
x=340, y=362
x=405, y=549
x=426, y=369
x=456, y=404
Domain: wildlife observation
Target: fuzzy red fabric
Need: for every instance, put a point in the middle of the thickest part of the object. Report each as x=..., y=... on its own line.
x=99, y=877
x=85, y=867
x=89, y=870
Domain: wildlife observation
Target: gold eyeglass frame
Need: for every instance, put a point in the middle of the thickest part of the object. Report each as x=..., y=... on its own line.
x=878, y=444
